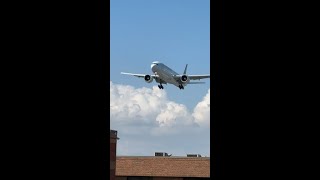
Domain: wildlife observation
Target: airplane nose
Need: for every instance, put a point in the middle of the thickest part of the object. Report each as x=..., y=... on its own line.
x=152, y=66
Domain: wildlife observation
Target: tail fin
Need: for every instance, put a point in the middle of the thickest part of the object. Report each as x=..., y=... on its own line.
x=185, y=69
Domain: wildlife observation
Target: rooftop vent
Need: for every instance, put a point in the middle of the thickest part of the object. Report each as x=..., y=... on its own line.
x=193, y=155
x=113, y=134
x=161, y=154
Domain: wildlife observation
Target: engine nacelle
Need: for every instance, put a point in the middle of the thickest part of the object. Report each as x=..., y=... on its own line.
x=148, y=78
x=185, y=79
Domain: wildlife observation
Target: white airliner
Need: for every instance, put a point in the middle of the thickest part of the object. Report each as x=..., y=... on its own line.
x=164, y=75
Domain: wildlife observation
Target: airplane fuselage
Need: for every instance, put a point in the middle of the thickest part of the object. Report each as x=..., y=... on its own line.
x=165, y=73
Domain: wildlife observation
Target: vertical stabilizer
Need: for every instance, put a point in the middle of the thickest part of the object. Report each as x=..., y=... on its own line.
x=185, y=69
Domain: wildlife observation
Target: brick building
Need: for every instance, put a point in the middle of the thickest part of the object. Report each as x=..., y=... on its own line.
x=113, y=150
x=162, y=168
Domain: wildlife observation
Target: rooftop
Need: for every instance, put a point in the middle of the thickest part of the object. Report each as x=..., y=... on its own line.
x=161, y=166
x=113, y=134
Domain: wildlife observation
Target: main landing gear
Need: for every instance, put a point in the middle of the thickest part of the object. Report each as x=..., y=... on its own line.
x=181, y=86
x=160, y=86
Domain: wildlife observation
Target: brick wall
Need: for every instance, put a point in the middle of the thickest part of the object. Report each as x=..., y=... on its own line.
x=113, y=150
x=158, y=178
x=167, y=178
x=163, y=166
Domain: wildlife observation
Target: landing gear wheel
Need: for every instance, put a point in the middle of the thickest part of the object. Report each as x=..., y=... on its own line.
x=160, y=86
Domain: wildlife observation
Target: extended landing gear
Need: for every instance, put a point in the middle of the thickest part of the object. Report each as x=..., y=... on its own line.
x=181, y=86
x=160, y=86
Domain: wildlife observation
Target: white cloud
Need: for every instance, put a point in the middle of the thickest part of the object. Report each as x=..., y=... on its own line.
x=201, y=112
x=142, y=115
x=144, y=105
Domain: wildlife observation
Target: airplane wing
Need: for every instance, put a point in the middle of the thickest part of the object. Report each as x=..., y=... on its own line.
x=139, y=75
x=198, y=77
x=194, y=77
x=196, y=83
x=155, y=77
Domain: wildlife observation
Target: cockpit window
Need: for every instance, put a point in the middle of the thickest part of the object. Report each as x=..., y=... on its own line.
x=156, y=62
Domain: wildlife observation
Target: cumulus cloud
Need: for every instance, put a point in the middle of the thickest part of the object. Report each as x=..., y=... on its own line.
x=148, y=112
x=201, y=112
x=131, y=105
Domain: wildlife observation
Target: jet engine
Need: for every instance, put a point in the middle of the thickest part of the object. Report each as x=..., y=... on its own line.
x=185, y=79
x=148, y=78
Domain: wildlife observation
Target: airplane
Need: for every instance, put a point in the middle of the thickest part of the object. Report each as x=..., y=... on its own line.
x=164, y=75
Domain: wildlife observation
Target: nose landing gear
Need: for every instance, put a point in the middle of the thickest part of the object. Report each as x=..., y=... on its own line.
x=181, y=86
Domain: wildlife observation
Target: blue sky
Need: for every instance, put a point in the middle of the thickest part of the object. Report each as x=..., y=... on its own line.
x=175, y=32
